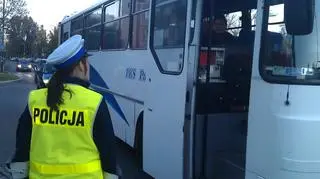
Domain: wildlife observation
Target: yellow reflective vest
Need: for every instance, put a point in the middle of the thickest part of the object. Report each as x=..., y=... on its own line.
x=62, y=144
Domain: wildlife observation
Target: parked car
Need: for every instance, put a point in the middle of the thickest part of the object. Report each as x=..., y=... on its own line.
x=24, y=66
x=14, y=59
x=43, y=75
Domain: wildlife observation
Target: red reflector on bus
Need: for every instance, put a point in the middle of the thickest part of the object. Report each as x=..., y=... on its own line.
x=204, y=58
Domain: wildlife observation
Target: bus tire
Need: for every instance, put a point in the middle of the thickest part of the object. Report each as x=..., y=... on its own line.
x=138, y=142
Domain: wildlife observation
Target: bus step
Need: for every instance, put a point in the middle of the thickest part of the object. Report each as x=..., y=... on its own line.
x=143, y=175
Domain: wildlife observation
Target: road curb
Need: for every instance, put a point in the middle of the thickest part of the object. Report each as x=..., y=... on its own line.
x=11, y=81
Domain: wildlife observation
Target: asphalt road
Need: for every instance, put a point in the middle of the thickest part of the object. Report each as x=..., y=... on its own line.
x=13, y=99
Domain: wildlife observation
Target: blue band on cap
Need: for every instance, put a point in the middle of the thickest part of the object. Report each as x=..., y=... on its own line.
x=72, y=60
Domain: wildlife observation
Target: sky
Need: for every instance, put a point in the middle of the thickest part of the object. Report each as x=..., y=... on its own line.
x=50, y=12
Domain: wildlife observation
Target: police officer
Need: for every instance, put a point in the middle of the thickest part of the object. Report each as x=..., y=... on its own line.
x=66, y=130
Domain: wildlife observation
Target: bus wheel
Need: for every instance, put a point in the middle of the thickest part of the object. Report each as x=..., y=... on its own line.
x=138, y=142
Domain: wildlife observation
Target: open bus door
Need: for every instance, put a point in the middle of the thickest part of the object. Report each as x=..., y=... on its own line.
x=166, y=90
x=221, y=90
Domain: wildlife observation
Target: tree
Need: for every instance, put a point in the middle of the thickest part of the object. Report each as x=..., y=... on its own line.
x=9, y=9
x=234, y=22
x=30, y=28
x=40, y=47
x=15, y=37
x=12, y=8
x=22, y=34
x=26, y=38
x=53, y=40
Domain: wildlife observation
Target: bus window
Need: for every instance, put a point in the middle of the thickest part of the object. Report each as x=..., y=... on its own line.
x=234, y=23
x=64, y=33
x=93, y=18
x=125, y=7
x=92, y=37
x=115, y=35
x=141, y=5
x=111, y=12
x=140, y=30
x=140, y=24
x=77, y=26
x=285, y=58
x=238, y=28
x=226, y=55
x=65, y=36
x=92, y=30
x=170, y=25
x=221, y=30
x=169, y=33
x=115, y=28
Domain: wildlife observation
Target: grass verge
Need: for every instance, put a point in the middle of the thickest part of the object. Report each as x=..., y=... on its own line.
x=7, y=77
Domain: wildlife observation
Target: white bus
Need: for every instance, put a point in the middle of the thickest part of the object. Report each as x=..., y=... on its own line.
x=198, y=100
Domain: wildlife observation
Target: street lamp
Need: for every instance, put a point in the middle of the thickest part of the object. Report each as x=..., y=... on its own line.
x=3, y=19
x=24, y=45
x=3, y=26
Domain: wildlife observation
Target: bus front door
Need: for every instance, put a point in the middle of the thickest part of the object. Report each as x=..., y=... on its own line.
x=166, y=91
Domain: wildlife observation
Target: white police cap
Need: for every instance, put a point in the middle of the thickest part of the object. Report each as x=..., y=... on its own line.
x=69, y=52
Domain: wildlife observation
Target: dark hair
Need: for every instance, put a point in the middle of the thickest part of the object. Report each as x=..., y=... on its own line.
x=56, y=86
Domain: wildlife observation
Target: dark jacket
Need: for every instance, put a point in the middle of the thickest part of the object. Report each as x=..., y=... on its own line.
x=218, y=39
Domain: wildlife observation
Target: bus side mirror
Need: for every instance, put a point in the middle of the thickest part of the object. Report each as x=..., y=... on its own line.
x=299, y=16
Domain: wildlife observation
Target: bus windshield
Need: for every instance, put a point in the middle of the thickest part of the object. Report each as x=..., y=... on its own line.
x=285, y=58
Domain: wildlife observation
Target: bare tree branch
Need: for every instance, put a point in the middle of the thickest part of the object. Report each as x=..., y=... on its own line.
x=234, y=22
x=12, y=8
